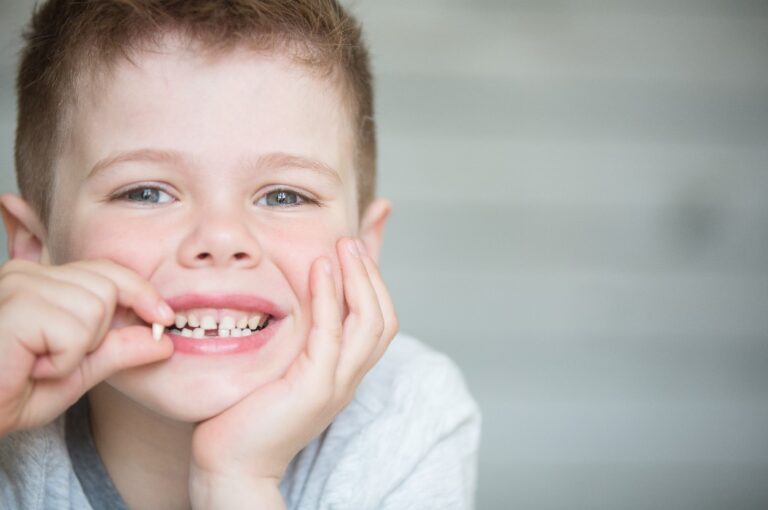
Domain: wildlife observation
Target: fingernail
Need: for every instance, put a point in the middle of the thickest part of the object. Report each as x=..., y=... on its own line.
x=361, y=247
x=165, y=311
x=352, y=248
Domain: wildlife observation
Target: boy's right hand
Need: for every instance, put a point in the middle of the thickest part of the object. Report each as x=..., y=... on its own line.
x=55, y=337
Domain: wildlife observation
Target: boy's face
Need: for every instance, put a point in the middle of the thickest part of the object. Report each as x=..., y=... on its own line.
x=203, y=216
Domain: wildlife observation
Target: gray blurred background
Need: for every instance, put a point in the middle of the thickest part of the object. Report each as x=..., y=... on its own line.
x=581, y=223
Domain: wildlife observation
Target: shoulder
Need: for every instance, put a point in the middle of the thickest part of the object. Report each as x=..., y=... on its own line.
x=410, y=435
x=418, y=380
x=32, y=463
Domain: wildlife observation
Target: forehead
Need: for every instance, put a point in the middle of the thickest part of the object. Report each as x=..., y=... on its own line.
x=214, y=108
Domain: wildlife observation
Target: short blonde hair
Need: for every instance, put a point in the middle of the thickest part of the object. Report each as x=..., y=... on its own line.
x=68, y=39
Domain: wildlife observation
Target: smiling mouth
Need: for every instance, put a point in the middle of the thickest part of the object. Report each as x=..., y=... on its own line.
x=221, y=324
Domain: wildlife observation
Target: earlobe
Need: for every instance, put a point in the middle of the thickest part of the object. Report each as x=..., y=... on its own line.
x=24, y=230
x=372, y=226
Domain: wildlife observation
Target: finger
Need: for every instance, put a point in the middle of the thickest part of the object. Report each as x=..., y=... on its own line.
x=133, y=291
x=101, y=288
x=364, y=323
x=388, y=312
x=59, y=344
x=53, y=319
x=324, y=340
x=124, y=348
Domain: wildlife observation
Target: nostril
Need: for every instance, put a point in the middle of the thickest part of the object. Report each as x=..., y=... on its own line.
x=203, y=256
x=241, y=256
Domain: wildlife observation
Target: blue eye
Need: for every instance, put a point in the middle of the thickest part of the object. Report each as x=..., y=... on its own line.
x=283, y=198
x=146, y=195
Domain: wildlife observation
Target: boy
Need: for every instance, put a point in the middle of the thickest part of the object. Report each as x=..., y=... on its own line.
x=202, y=172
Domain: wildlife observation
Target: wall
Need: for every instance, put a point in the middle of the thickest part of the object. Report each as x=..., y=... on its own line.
x=582, y=224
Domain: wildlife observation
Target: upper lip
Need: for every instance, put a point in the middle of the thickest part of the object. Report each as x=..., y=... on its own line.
x=244, y=302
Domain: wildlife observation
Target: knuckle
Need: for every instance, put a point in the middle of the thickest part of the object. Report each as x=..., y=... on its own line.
x=79, y=336
x=333, y=330
x=376, y=326
x=94, y=310
x=109, y=291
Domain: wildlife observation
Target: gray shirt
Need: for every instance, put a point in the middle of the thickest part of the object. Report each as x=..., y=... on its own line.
x=408, y=439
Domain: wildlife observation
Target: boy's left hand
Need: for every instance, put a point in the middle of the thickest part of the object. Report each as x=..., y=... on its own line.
x=247, y=448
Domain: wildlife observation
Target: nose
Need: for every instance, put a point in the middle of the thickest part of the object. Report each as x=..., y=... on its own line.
x=220, y=240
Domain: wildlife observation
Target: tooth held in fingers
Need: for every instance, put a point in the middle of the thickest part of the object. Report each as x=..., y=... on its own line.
x=157, y=331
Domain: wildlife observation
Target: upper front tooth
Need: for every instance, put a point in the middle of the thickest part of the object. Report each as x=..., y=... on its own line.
x=181, y=321
x=227, y=323
x=208, y=322
x=242, y=322
x=254, y=321
x=193, y=321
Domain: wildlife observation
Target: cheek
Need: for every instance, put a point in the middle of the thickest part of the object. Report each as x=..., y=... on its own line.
x=126, y=245
x=294, y=249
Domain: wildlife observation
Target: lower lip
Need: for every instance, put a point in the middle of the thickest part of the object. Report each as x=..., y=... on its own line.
x=224, y=345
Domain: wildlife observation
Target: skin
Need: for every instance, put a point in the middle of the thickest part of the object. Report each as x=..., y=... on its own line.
x=208, y=223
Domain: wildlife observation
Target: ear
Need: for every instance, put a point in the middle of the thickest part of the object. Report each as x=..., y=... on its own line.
x=372, y=226
x=24, y=230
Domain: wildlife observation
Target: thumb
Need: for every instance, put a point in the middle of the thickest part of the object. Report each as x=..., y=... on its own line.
x=123, y=348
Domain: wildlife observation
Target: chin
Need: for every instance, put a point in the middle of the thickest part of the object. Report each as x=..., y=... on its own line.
x=191, y=397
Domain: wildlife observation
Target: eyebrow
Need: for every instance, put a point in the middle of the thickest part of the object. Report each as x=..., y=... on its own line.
x=269, y=160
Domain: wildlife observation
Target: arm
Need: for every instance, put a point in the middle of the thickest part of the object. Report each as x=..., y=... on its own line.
x=236, y=493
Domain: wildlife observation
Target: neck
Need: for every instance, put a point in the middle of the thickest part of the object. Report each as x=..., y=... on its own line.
x=146, y=455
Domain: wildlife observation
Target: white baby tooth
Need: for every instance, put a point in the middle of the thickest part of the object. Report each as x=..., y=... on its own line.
x=208, y=322
x=186, y=332
x=193, y=321
x=223, y=332
x=236, y=332
x=181, y=321
x=157, y=331
x=246, y=332
x=198, y=333
x=227, y=323
x=254, y=321
x=242, y=322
